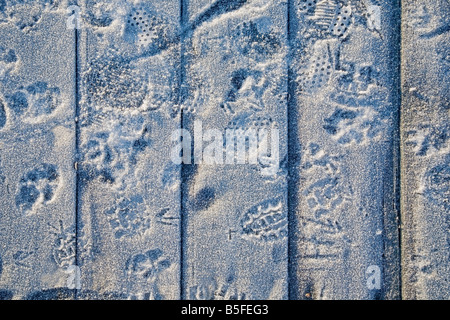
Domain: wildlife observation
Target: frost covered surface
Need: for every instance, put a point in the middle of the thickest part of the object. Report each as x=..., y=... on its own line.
x=426, y=150
x=26, y=14
x=37, y=143
x=346, y=114
x=236, y=233
x=89, y=188
x=129, y=188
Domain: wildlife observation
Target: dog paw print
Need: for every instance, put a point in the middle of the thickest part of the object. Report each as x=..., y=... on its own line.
x=246, y=91
x=438, y=184
x=129, y=217
x=316, y=157
x=252, y=39
x=357, y=85
x=100, y=160
x=361, y=110
x=349, y=125
x=429, y=139
x=339, y=116
x=111, y=156
x=99, y=14
x=146, y=268
x=8, y=61
x=25, y=14
x=34, y=102
x=37, y=188
x=148, y=265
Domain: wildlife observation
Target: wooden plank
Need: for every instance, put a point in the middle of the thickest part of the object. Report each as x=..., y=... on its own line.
x=37, y=152
x=344, y=73
x=235, y=215
x=425, y=150
x=129, y=237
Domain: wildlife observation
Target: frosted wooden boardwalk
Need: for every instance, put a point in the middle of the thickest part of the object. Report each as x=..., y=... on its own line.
x=224, y=149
